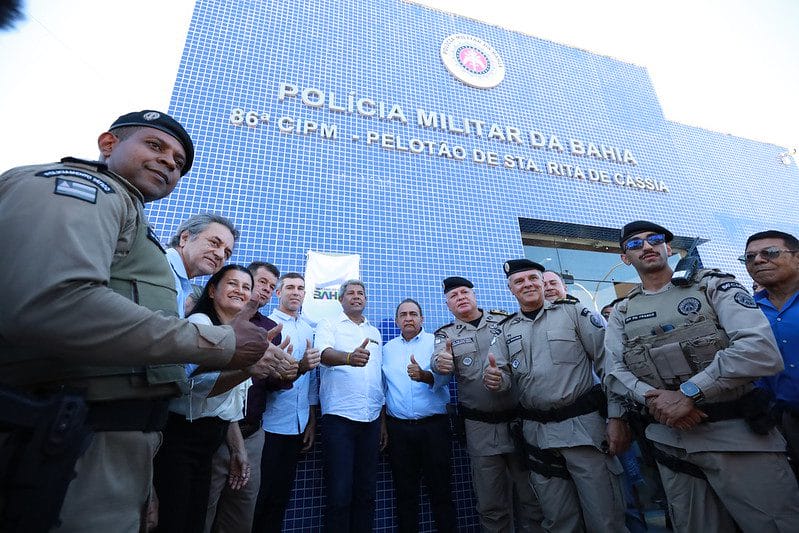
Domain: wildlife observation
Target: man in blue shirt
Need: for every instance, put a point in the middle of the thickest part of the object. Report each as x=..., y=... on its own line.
x=417, y=423
x=289, y=419
x=772, y=259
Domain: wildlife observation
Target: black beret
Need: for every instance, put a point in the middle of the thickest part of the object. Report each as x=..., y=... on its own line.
x=453, y=282
x=163, y=122
x=640, y=226
x=520, y=265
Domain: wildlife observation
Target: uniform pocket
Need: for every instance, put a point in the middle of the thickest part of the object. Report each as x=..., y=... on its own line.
x=564, y=348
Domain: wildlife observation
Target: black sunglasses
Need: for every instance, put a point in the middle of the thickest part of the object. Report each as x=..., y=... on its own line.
x=769, y=254
x=637, y=244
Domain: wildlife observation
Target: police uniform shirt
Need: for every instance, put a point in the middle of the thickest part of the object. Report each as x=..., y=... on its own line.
x=752, y=353
x=551, y=360
x=470, y=348
x=65, y=224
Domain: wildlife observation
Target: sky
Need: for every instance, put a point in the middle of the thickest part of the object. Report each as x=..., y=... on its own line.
x=71, y=67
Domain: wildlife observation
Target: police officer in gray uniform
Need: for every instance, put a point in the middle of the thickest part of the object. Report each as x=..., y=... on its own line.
x=505, y=500
x=686, y=347
x=89, y=332
x=550, y=350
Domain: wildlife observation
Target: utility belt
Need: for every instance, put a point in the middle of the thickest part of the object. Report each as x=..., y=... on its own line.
x=677, y=465
x=490, y=417
x=589, y=402
x=416, y=421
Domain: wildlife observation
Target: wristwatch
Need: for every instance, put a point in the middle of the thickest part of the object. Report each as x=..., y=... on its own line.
x=692, y=391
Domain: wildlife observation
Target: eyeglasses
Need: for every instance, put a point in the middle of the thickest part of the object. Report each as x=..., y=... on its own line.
x=769, y=254
x=637, y=244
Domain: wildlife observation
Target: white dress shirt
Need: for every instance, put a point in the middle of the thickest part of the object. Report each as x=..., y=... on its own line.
x=351, y=392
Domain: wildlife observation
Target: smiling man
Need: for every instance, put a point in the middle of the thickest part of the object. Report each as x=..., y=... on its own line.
x=200, y=247
x=548, y=352
x=772, y=259
x=505, y=499
x=688, y=353
x=99, y=320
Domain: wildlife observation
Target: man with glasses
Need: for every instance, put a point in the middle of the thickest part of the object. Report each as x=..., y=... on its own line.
x=688, y=352
x=771, y=259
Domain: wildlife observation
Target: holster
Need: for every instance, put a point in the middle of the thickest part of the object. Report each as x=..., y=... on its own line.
x=545, y=462
x=45, y=438
x=457, y=423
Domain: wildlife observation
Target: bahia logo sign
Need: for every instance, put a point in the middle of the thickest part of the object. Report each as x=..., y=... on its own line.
x=472, y=61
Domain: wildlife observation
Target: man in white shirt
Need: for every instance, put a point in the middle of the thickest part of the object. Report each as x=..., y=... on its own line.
x=351, y=394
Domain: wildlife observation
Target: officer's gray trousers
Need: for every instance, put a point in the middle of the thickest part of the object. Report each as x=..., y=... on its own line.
x=591, y=501
x=505, y=501
x=756, y=490
x=113, y=483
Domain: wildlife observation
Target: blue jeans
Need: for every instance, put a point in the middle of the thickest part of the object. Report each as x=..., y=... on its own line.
x=350, y=460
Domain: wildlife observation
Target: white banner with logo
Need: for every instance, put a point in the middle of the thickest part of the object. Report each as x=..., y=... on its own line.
x=324, y=274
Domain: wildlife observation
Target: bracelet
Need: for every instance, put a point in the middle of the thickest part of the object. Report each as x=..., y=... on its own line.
x=347, y=362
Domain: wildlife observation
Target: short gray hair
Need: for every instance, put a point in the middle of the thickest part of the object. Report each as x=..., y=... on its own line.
x=346, y=284
x=196, y=224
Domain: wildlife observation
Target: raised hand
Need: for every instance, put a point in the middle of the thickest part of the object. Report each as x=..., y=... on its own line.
x=492, y=375
x=444, y=359
x=360, y=355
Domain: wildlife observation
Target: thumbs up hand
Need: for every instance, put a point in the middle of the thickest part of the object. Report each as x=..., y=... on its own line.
x=443, y=361
x=414, y=371
x=311, y=358
x=360, y=355
x=492, y=375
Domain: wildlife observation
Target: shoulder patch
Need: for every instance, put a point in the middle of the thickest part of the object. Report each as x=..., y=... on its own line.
x=585, y=312
x=75, y=189
x=689, y=305
x=745, y=299
x=597, y=321
x=99, y=183
x=727, y=285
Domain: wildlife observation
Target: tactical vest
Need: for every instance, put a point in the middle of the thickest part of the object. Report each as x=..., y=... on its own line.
x=672, y=335
x=145, y=277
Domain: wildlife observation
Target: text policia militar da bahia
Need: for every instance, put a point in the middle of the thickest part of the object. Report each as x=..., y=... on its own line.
x=467, y=128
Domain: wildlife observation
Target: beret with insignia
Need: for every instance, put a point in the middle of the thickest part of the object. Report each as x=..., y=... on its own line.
x=160, y=121
x=513, y=266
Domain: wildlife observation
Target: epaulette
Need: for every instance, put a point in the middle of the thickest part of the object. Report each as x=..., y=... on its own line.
x=506, y=319
x=714, y=273
x=569, y=299
x=500, y=312
x=444, y=326
x=99, y=165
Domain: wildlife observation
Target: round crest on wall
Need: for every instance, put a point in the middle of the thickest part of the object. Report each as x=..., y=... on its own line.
x=473, y=61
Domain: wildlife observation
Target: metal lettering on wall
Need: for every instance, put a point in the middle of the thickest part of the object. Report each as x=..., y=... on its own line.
x=530, y=153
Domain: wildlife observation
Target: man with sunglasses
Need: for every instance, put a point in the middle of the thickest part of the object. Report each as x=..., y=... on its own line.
x=688, y=351
x=772, y=259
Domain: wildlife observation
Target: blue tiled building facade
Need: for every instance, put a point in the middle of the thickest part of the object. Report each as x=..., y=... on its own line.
x=336, y=126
